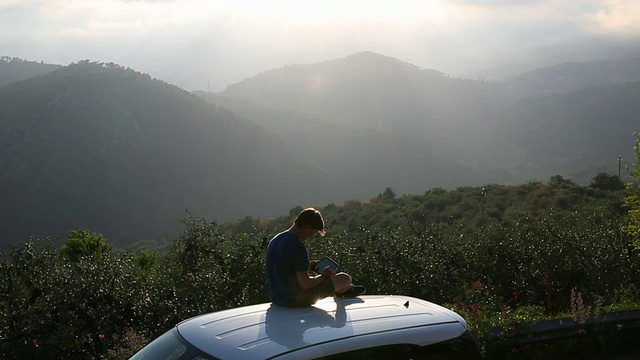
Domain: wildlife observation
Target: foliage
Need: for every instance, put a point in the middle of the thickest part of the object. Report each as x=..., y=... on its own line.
x=632, y=200
x=606, y=181
x=532, y=256
x=81, y=243
x=59, y=308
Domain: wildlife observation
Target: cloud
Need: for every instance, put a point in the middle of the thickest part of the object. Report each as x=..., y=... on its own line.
x=190, y=42
x=618, y=17
x=149, y=1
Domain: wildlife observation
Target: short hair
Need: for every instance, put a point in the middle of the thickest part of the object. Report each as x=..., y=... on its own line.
x=311, y=217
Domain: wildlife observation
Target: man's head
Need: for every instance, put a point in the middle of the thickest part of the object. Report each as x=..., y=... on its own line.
x=311, y=219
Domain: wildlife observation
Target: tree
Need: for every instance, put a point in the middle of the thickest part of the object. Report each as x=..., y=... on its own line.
x=82, y=243
x=387, y=194
x=558, y=181
x=604, y=181
x=632, y=200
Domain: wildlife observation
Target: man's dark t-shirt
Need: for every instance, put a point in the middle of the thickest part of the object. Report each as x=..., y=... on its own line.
x=286, y=255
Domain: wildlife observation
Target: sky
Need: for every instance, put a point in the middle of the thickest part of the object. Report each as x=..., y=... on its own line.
x=209, y=44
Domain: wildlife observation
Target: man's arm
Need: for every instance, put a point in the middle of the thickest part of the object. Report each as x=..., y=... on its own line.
x=307, y=281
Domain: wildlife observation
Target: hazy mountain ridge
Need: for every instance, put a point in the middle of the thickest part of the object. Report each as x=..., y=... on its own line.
x=110, y=149
x=568, y=77
x=485, y=125
x=14, y=69
x=566, y=132
x=367, y=89
x=375, y=91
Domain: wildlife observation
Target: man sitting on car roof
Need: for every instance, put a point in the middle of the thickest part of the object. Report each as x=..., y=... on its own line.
x=288, y=269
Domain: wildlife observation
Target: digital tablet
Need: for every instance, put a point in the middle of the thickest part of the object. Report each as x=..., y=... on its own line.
x=324, y=263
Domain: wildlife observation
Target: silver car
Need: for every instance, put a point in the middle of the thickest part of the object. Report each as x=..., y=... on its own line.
x=366, y=327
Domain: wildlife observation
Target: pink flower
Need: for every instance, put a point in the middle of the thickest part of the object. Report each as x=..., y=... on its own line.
x=505, y=313
x=515, y=351
x=475, y=311
x=478, y=285
x=515, y=295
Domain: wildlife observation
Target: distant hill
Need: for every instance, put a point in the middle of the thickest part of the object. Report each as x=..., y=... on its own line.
x=507, y=132
x=109, y=149
x=569, y=77
x=372, y=90
x=567, y=133
x=14, y=69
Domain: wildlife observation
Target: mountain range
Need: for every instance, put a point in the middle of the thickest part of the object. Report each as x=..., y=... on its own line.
x=572, y=119
x=106, y=148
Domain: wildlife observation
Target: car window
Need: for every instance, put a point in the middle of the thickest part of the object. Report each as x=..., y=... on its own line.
x=170, y=346
x=462, y=348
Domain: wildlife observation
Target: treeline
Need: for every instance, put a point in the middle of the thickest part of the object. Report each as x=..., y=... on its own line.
x=15, y=69
x=532, y=246
x=463, y=208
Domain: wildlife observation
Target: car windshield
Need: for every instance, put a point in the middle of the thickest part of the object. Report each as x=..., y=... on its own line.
x=170, y=346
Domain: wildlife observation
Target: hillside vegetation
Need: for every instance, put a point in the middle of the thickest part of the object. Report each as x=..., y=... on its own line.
x=99, y=146
x=566, y=133
x=500, y=255
x=14, y=69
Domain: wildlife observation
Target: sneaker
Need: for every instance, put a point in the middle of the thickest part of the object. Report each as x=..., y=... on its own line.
x=354, y=290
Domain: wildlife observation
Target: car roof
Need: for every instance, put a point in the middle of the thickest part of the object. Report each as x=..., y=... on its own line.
x=331, y=326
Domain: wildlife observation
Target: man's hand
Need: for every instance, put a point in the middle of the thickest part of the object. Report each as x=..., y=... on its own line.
x=312, y=265
x=328, y=272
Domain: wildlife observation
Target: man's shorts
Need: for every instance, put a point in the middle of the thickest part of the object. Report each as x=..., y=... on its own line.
x=308, y=297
